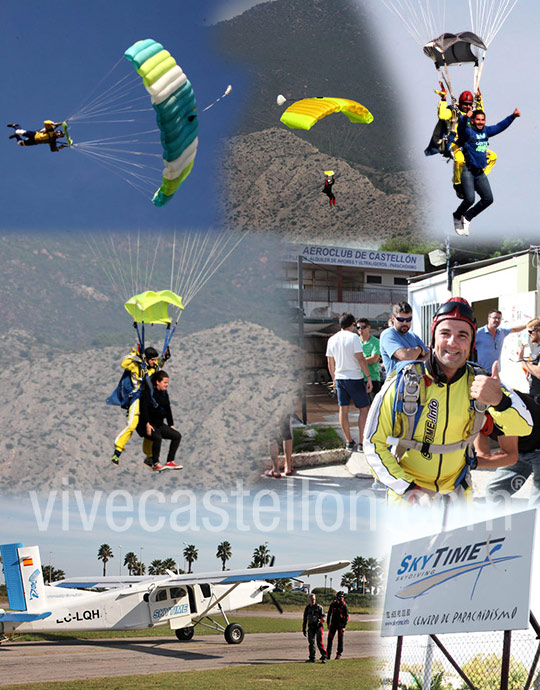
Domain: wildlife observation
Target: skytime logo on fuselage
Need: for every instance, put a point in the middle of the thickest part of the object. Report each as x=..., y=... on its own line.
x=455, y=561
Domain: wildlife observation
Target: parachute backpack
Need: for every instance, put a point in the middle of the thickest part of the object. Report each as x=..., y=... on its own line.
x=409, y=402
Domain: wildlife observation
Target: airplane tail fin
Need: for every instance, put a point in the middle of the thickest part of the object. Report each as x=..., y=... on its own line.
x=24, y=579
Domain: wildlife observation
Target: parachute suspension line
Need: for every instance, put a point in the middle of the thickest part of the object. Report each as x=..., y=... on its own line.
x=200, y=259
x=488, y=17
x=139, y=182
x=112, y=94
x=418, y=16
x=103, y=262
x=225, y=93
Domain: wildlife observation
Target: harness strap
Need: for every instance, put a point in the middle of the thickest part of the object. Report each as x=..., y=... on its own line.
x=408, y=397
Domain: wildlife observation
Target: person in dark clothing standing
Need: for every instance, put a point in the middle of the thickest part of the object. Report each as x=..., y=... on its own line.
x=336, y=620
x=155, y=408
x=312, y=626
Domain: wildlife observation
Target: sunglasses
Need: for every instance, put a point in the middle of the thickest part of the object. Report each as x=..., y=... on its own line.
x=363, y=325
x=402, y=319
x=463, y=309
x=534, y=330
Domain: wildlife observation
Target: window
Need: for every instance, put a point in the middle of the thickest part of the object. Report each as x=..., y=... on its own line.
x=374, y=279
x=427, y=313
x=178, y=592
x=400, y=281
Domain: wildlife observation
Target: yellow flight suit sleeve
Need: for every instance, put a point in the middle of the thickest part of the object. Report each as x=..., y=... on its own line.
x=384, y=465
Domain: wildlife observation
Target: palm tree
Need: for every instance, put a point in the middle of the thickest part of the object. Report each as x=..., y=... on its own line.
x=105, y=554
x=348, y=581
x=51, y=574
x=170, y=564
x=224, y=552
x=191, y=554
x=261, y=556
x=131, y=561
x=156, y=568
x=359, y=568
x=373, y=574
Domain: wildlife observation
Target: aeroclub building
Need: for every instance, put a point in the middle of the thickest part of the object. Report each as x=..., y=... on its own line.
x=333, y=280
x=508, y=283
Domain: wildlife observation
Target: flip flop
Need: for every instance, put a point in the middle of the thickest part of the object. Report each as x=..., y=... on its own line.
x=271, y=473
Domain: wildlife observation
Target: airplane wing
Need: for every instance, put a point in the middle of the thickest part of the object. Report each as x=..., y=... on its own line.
x=16, y=617
x=214, y=578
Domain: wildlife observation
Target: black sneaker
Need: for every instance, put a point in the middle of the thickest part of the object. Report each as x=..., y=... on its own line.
x=350, y=445
x=149, y=462
x=323, y=660
x=310, y=661
x=13, y=124
x=116, y=458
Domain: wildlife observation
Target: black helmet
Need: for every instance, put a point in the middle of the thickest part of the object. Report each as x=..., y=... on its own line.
x=340, y=594
x=151, y=353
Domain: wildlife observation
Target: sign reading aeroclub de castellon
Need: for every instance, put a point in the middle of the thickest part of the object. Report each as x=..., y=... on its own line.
x=471, y=579
x=360, y=258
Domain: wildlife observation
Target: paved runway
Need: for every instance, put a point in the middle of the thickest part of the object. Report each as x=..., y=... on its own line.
x=27, y=662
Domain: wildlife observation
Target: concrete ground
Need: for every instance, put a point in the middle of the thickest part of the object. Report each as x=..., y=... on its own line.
x=353, y=471
x=46, y=662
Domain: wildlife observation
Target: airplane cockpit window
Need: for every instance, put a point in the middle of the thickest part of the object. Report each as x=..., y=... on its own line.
x=178, y=592
x=205, y=590
x=161, y=594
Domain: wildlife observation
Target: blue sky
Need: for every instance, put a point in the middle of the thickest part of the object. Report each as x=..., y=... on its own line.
x=508, y=81
x=72, y=528
x=54, y=63
x=52, y=66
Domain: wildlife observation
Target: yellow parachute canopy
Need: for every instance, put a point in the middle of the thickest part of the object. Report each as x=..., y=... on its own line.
x=305, y=113
x=152, y=307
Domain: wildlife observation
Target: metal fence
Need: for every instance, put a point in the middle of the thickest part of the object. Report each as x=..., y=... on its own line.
x=368, y=295
x=481, y=661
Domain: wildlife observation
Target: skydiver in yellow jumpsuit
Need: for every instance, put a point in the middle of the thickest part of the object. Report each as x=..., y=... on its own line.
x=46, y=135
x=139, y=367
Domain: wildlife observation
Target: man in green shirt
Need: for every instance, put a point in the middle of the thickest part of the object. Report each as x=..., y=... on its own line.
x=372, y=353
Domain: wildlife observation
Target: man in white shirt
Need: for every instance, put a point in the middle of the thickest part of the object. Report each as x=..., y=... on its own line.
x=350, y=375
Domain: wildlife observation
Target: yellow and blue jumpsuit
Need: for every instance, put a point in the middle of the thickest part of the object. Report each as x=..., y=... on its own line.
x=134, y=364
x=447, y=417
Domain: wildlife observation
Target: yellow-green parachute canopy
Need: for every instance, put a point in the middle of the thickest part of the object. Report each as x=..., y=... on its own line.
x=152, y=307
x=176, y=114
x=305, y=113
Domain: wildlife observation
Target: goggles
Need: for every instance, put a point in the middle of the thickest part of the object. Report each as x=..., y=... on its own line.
x=463, y=309
x=402, y=319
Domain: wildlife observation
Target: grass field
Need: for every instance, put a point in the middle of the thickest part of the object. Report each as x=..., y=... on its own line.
x=347, y=674
x=251, y=625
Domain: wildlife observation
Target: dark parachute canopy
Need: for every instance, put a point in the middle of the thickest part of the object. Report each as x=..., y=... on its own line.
x=454, y=49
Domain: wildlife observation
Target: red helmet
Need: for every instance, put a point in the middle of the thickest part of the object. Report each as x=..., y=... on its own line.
x=466, y=98
x=454, y=308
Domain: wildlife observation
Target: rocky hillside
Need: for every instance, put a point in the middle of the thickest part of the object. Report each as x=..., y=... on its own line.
x=277, y=184
x=228, y=386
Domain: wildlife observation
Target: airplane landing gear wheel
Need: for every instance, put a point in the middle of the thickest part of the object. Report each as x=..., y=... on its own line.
x=185, y=634
x=234, y=633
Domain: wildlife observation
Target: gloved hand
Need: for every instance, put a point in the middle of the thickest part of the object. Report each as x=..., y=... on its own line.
x=167, y=354
x=441, y=91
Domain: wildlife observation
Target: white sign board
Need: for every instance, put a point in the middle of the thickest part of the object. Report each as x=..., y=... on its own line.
x=360, y=258
x=471, y=579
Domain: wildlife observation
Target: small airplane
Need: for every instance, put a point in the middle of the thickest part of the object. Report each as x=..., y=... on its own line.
x=133, y=602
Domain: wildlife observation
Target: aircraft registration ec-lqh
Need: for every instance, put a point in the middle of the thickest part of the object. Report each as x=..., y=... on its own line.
x=134, y=602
